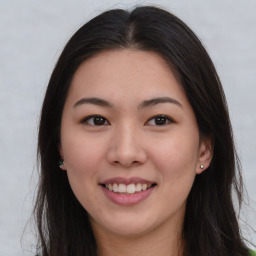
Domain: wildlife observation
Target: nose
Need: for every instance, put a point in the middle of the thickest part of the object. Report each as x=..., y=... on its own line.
x=126, y=147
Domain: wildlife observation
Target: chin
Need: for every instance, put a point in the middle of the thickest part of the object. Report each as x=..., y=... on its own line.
x=130, y=226
x=129, y=231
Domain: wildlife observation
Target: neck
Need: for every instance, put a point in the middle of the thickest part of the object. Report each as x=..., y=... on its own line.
x=161, y=242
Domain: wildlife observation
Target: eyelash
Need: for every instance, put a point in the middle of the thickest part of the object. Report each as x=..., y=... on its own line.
x=93, y=117
x=166, y=119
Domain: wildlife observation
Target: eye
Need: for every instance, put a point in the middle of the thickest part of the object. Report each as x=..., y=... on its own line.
x=159, y=120
x=96, y=120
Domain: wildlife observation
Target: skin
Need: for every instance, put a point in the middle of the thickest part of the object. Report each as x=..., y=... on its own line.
x=129, y=143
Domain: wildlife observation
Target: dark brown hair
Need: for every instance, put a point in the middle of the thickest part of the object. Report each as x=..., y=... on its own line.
x=210, y=224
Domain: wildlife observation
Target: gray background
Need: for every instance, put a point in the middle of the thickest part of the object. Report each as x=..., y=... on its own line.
x=32, y=35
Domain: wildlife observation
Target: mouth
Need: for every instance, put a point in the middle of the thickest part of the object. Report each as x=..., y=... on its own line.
x=128, y=189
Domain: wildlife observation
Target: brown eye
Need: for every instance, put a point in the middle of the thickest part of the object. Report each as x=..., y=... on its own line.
x=159, y=120
x=95, y=120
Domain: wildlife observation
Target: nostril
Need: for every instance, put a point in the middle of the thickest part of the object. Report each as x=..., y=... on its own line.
x=116, y=163
x=126, y=164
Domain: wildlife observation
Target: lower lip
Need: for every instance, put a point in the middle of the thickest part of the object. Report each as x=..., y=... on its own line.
x=127, y=199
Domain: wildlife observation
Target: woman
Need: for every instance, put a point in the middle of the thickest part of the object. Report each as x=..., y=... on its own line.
x=136, y=117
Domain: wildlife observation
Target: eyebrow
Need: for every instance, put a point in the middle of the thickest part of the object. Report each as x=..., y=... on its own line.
x=94, y=101
x=144, y=104
x=155, y=101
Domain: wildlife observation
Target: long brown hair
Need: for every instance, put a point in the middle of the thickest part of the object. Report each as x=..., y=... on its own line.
x=210, y=224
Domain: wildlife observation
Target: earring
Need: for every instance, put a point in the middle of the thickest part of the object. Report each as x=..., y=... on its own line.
x=61, y=163
x=202, y=166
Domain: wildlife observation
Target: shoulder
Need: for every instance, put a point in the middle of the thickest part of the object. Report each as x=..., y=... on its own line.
x=252, y=253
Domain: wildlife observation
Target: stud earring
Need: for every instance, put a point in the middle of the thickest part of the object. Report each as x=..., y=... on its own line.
x=61, y=163
x=202, y=166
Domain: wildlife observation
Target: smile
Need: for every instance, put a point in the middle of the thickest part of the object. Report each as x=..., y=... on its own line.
x=127, y=192
x=128, y=189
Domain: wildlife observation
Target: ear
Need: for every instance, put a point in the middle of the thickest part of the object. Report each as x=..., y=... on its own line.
x=205, y=154
x=61, y=163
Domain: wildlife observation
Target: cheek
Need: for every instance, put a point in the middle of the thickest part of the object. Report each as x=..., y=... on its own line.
x=176, y=157
x=82, y=161
x=176, y=163
x=82, y=165
x=81, y=155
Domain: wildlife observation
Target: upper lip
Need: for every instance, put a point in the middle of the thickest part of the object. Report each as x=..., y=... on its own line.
x=127, y=181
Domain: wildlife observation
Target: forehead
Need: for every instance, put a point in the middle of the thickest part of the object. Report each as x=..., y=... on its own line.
x=134, y=73
x=128, y=61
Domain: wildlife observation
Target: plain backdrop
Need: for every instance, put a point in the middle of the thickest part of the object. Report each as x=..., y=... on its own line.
x=32, y=35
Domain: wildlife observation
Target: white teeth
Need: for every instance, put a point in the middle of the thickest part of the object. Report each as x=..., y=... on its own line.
x=144, y=186
x=122, y=188
x=131, y=189
x=115, y=187
x=138, y=187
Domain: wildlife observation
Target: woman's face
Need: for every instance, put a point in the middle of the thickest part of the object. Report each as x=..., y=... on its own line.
x=130, y=142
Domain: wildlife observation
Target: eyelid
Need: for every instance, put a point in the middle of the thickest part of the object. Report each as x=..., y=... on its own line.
x=85, y=120
x=168, y=118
